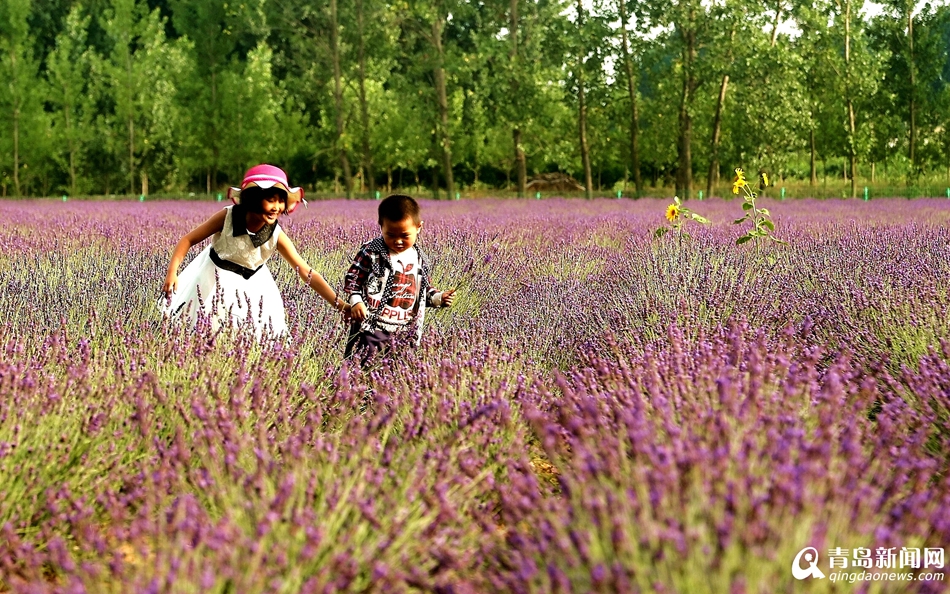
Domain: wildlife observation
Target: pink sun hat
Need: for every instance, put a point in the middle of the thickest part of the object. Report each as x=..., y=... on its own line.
x=268, y=176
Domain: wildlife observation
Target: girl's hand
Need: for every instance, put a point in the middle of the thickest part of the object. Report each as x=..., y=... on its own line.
x=170, y=285
x=448, y=297
x=359, y=312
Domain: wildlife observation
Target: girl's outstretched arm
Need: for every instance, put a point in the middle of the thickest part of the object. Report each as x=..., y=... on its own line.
x=288, y=252
x=195, y=236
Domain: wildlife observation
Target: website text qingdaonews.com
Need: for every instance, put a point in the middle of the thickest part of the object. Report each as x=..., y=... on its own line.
x=868, y=576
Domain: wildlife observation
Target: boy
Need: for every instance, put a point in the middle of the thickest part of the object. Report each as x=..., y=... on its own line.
x=389, y=284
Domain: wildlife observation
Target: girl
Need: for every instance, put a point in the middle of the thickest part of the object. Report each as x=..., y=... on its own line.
x=229, y=280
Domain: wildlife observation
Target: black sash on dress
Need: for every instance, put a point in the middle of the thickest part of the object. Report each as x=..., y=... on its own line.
x=231, y=266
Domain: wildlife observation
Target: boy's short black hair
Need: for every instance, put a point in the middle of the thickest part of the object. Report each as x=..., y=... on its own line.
x=397, y=207
x=252, y=197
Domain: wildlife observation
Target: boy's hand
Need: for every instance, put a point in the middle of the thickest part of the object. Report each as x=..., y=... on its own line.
x=358, y=312
x=448, y=297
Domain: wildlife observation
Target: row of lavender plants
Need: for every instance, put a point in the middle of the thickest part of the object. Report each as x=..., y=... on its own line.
x=602, y=410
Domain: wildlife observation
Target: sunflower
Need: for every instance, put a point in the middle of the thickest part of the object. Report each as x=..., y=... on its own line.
x=765, y=179
x=740, y=181
x=672, y=212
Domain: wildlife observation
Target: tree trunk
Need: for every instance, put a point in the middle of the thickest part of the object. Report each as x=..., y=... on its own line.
x=442, y=98
x=947, y=132
x=582, y=126
x=72, y=149
x=130, y=121
x=16, y=124
x=775, y=22
x=338, y=99
x=684, y=176
x=913, y=91
x=364, y=108
x=520, y=164
x=634, y=106
x=215, y=149
x=813, y=179
x=852, y=149
x=582, y=113
x=713, y=177
x=520, y=161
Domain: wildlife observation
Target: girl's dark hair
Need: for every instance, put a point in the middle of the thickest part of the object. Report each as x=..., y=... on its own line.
x=252, y=197
x=397, y=207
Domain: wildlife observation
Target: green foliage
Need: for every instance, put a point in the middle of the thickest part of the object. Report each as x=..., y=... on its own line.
x=676, y=216
x=24, y=125
x=68, y=68
x=761, y=218
x=106, y=96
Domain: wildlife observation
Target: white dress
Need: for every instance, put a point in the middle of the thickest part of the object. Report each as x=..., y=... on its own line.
x=228, y=282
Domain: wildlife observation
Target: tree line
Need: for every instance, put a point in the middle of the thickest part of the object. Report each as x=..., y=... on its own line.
x=354, y=96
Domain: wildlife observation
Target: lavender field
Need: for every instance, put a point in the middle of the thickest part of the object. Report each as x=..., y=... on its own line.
x=601, y=411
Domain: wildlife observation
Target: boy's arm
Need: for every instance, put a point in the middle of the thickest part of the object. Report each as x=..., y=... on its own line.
x=434, y=297
x=356, y=276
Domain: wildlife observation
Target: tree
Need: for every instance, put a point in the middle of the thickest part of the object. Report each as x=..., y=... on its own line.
x=857, y=72
x=578, y=69
x=724, y=64
x=258, y=129
x=213, y=32
x=688, y=21
x=941, y=34
x=437, y=20
x=846, y=14
x=24, y=124
x=815, y=46
x=630, y=70
x=139, y=84
x=339, y=113
x=362, y=16
x=903, y=11
x=68, y=72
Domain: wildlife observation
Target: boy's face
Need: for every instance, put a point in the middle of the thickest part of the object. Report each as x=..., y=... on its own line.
x=400, y=235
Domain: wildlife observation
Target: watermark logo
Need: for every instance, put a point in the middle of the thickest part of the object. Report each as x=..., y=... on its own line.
x=882, y=563
x=810, y=555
